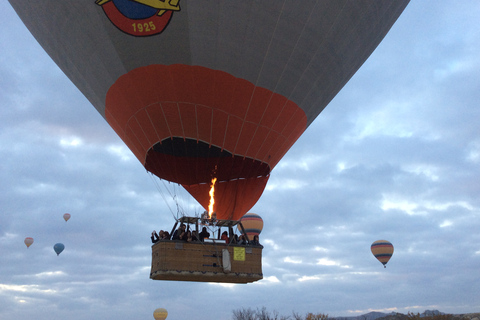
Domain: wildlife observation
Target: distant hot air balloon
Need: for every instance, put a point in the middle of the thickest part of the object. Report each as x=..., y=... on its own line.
x=66, y=216
x=58, y=247
x=224, y=89
x=382, y=250
x=252, y=223
x=160, y=314
x=28, y=241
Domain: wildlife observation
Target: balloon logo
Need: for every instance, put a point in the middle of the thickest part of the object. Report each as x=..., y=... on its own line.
x=252, y=223
x=139, y=19
x=58, y=247
x=66, y=216
x=382, y=250
x=28, y=241
x=160, y=314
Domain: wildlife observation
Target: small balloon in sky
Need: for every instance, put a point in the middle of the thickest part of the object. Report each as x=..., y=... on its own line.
x=66, y=216
x=160, y=314
x=58, y=247
x=382, y=250
x=252, y=223
x=28, y=241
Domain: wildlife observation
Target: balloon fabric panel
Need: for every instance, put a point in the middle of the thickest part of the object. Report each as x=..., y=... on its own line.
x=232, y=198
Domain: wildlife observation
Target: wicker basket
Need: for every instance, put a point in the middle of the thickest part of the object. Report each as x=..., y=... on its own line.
x=202, y=261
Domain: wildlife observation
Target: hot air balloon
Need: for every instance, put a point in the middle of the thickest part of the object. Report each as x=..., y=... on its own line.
x=382, y=250
x=58, y=247
x=28, y=241
x=160, y=314
x=66, y=216
x=252, y=224
x=221, y=90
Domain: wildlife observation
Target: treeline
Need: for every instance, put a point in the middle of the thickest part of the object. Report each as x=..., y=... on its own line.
x=418, y=316
x=263, y=314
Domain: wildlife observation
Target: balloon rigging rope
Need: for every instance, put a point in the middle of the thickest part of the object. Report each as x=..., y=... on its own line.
x=163, y=194
x=215, y=250
x=173, y=193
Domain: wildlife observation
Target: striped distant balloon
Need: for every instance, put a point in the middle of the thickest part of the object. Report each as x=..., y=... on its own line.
x=160, y=314
x=252, y=223
x=28, y=241
x=382, y=250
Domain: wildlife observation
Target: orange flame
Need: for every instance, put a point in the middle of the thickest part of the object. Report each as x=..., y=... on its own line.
x=212, y=200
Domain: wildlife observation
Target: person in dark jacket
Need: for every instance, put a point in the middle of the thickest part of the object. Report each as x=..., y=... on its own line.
x=179, y=234
x=204, y=234
x=154, y=237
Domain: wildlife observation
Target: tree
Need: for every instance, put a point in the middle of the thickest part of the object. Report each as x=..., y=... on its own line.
x=263, y=314
x=319, y=316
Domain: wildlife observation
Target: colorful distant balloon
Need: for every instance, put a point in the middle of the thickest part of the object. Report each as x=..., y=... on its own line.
x=252, y=223
x=28, y=241
x=58, y=247
x=160, y=314
x=382, y=250
x=221, y=90
x=66, y=216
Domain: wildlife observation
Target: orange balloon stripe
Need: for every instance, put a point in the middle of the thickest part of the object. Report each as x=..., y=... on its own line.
x=158, y=102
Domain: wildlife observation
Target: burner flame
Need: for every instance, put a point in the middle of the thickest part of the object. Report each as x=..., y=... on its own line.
x=212, y=199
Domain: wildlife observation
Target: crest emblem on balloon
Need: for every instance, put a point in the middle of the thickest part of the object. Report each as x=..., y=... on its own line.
x=140, y=18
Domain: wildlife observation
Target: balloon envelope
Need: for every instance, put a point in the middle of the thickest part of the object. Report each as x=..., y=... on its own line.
x=252, y=223
x=382, y=250
x=66, y=216
x=28, y=241
x=223, y=89
x=58, y=247
x=160, y=314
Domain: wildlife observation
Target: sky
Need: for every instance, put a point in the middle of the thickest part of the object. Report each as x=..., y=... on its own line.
x=395, y=156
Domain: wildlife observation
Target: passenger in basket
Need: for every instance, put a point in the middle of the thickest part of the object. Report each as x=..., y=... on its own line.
x=224, y=236
x=154, y=236
x=166, y=235
x=204, y=234
x=255, y=241
x=194, y=236
x=179, y=234
x=160, y=236
x=241, y=240
x=188, y=236
x=183, y=236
